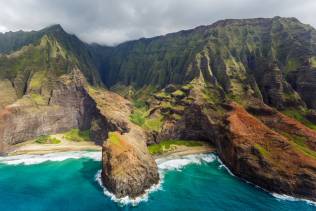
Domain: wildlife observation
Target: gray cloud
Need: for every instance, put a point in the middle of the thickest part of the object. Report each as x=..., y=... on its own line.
x=114, y=21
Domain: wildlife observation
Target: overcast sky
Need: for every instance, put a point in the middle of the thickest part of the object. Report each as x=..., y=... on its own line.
x=114, y=21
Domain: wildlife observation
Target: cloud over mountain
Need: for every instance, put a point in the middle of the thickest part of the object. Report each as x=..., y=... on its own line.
x=111, y=21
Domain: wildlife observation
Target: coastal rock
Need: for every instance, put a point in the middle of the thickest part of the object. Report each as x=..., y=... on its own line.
x=128, y=168
x=127, y=171
x=267, y=158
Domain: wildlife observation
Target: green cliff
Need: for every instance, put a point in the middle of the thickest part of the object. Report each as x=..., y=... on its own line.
x=229, y=84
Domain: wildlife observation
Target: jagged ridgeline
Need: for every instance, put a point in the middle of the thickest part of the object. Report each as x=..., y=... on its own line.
x=270, y=59
x=30, y=59
x=211, y=83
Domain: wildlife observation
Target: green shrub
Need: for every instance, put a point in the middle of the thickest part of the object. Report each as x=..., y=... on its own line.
x=137, y=117
x=299, y=116
x=262, y=150
x=139, y=103
x=113, y=138
x=140, y=117
x=47, y=140
x=77, y=135
x=299, y=143
x=168, y=145
x=153, y=124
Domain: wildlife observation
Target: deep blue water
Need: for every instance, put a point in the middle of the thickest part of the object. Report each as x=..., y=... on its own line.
x=71, y=185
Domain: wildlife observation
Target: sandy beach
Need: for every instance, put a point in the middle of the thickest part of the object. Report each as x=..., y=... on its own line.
x=185, y=150
x=32, y=148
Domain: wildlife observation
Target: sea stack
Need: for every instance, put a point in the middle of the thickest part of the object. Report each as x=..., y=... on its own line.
x=127, y=171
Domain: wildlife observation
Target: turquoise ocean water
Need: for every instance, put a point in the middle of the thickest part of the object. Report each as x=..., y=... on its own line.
x=70, y=182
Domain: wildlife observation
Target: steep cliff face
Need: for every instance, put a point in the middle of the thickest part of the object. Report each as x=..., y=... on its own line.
x=268, y=148
x=252, y=58
x=259, y=144
x=42, y=89
x=127, y=169
x=51, y=50
x=67, y=106
x=304, y=80
x=270, y=155
x=213, y=83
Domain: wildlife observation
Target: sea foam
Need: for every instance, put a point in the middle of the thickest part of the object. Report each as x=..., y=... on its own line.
x=276, y=195
x=178, y=162
x=127, y=200
x=164, y=165
x=291, y=198
x=58, y=156
x=222, y=165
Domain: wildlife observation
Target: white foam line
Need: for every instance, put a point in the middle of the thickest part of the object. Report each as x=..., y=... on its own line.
x=164, y=164
x=291, y=198
x=222, y=165
x=276, y=195
x=60, y=156
x=128, y=200
x=178, y=162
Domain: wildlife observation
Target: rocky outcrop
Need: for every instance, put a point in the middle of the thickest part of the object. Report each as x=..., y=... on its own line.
x=260, y=145
x=306, y=85
x=252, y=62
x=267, y=158
x=128, y=168
x=127, y=171
x=68, y=106
x=8, y=93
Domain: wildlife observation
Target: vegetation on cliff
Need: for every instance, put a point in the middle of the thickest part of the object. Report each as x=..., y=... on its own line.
x=77, y=135
x=170, y=145
x=47, y=140
x=183, y=87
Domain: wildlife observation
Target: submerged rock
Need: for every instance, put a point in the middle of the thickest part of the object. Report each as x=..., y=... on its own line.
x=127, y=171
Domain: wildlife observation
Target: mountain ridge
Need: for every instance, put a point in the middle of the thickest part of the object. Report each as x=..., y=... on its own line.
x=226, y=84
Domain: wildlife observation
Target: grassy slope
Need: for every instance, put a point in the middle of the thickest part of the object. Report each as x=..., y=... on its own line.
x=299, y=116
x=77, y=135
x=169, y=145
x=140, y=117
x=47, y=140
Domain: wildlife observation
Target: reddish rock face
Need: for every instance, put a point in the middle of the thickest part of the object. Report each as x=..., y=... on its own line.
x=260, y=145
x=268, y=158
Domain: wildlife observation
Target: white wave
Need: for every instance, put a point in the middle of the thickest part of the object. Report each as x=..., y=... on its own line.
x=291, y=198
x=222, y=165
x=60, y=156
x=128, y=200
x=164, y=165
x=276, y=195
x=178, y=162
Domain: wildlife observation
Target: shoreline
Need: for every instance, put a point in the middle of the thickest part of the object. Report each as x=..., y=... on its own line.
x=185, y=150
x=49, y=155
x=31, y=148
